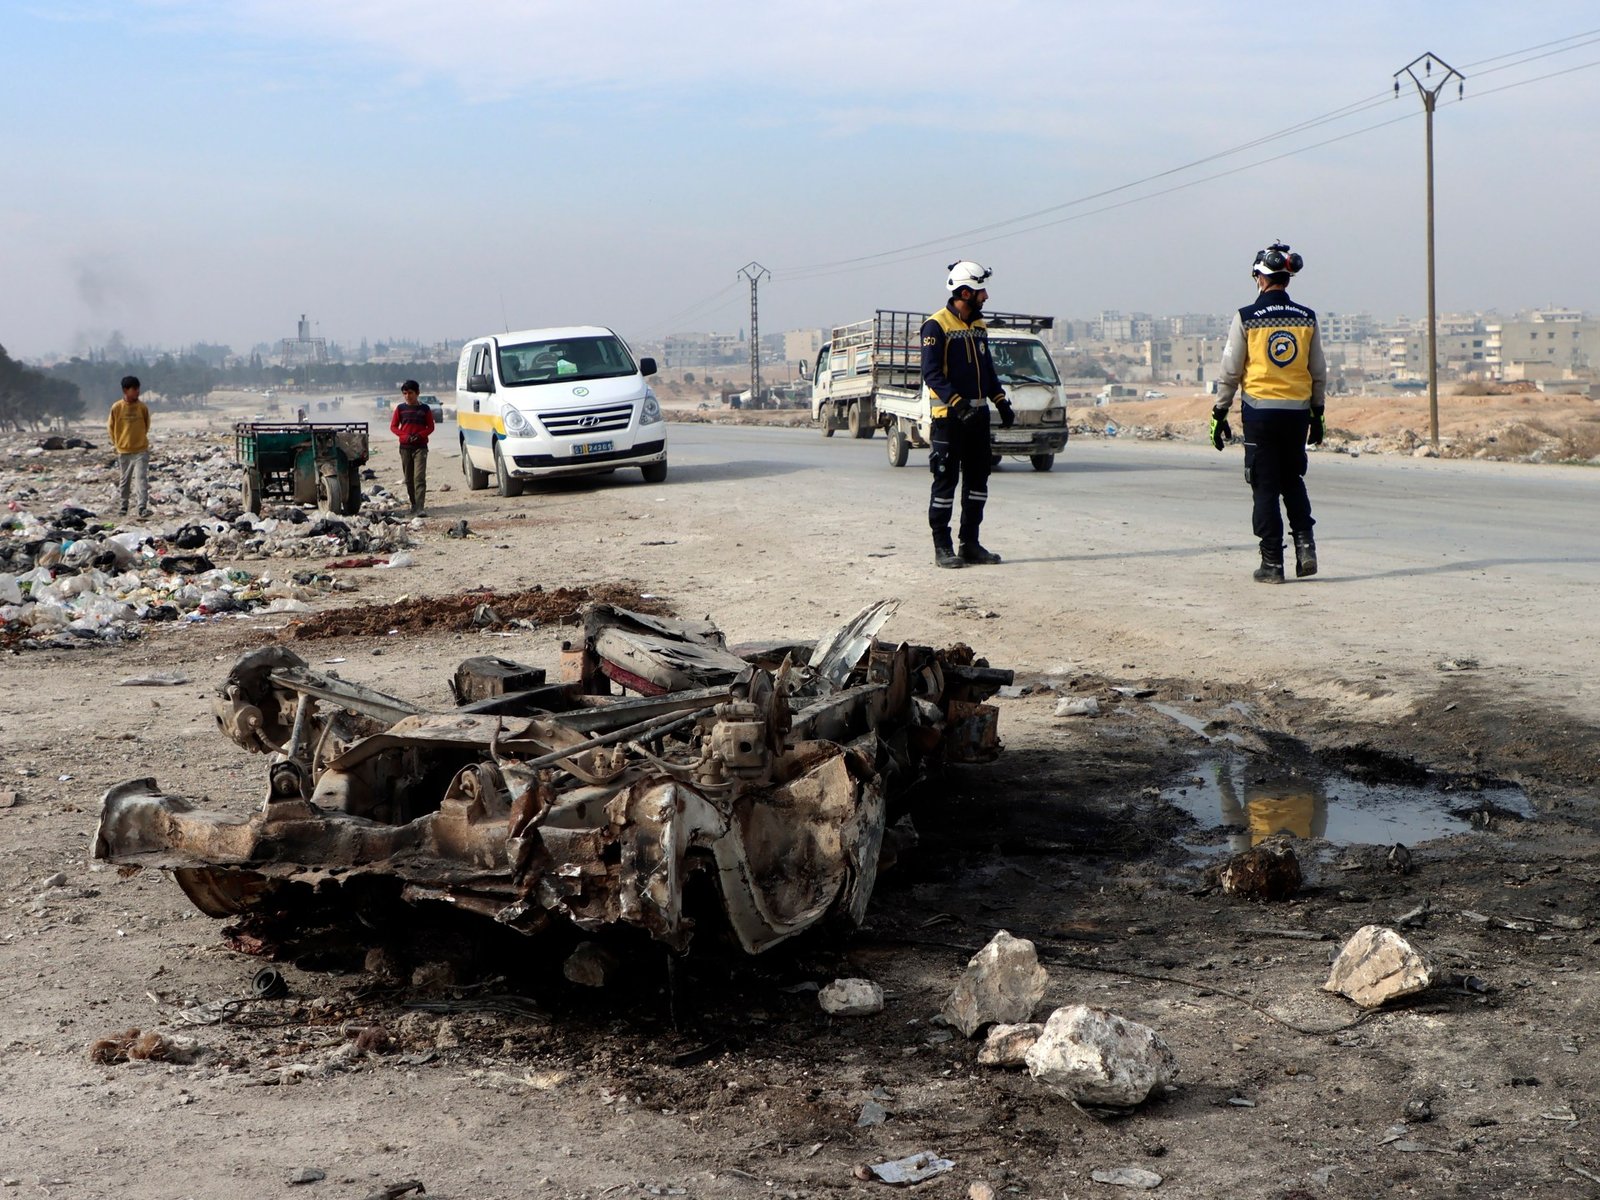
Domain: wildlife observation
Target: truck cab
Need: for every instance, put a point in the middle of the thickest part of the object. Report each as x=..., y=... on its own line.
x=868, y=376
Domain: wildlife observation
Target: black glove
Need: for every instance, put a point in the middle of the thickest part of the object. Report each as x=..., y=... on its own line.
x=1008, y=415
x=970, y=414
x=1318, y=428
x=1221, y=431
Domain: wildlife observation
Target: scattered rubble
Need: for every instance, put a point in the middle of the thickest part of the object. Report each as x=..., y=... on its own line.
x=1269, y=871
x=1008, y=1045
x=459, y=613
x=1128, y=1177
x=1092, y=1056
x=770, y=774
x=134, y=1045
x=914, y=1168
x=1003, y=984
x=1376, y=966
x=851, y=998
x=591, y=965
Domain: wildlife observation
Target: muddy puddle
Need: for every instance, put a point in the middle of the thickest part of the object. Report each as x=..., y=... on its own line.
x=1247, y=801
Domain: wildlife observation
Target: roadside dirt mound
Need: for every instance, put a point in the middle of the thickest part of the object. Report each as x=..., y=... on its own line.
x=478, y=609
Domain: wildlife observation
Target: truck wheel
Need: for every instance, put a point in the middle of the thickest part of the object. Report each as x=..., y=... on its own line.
x=476, y=480
x=252, y=492
x=654, y=472
x=994, y=459
x=860, y=427
x=1042, y=462
x=825, y=415
x=899, y=447
x=505, y=484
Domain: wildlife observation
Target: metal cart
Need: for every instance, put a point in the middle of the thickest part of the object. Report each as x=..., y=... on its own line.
x=302, y=463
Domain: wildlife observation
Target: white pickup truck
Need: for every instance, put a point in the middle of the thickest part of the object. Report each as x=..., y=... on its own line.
x=868, y=376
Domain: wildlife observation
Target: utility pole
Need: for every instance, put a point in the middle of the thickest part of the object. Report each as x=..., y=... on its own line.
x=1430, y=96
x=754, y=271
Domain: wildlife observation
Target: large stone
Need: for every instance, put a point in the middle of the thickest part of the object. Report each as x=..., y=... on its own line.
x=1096, y=1057
x=591, y=965
x=1008, y=1045
x=1003, y=984
x=851, y=998
x=1376, y=966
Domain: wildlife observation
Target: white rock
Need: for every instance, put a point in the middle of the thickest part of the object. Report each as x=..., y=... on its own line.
x=1086, y=706
x=1128, y=1177
x=1095, y=1056
x=1008, y=1045
x=1377, y=965
x=851, y=998
x=1003, y=984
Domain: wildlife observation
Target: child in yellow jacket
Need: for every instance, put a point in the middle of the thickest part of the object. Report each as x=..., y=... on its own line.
x=129, y=428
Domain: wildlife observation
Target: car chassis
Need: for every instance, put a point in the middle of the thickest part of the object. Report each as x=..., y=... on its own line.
x=770, y=768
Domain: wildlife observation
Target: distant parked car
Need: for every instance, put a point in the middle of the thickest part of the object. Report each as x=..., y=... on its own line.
x=1152, y=394
x=438, y=409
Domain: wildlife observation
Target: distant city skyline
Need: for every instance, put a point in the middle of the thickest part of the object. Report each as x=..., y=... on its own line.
x=185, y=171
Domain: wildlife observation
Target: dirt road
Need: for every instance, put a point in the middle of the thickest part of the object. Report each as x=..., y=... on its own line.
x=1081, y=838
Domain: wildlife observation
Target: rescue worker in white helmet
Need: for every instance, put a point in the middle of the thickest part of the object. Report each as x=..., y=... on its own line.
x=1274, y=361
x=961, y=382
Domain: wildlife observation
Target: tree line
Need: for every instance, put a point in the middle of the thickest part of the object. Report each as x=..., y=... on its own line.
x=185, y=380
x=30, y=399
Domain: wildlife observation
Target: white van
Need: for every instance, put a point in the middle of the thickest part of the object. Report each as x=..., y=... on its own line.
x=547, y=402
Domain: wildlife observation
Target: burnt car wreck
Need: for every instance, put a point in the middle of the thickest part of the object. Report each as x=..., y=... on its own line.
x=768, y=771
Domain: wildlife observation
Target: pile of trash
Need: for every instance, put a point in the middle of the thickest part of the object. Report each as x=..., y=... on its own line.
x=64, y=587
x=71, y=575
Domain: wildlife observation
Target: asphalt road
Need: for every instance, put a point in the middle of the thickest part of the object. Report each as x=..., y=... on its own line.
x=1140, y=553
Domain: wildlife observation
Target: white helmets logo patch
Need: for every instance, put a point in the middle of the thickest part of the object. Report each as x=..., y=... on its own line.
x=1282, y=349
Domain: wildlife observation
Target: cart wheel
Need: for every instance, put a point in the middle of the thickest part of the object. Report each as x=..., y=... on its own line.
x=252, y=492
x=352, y=491
x=330, y=493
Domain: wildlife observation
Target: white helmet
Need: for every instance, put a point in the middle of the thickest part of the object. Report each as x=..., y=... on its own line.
x=967, y=274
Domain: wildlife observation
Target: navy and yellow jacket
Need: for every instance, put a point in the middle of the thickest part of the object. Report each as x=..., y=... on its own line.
x=955, y=362
x=1273, y=358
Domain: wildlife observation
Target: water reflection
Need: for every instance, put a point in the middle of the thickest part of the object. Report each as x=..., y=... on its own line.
x=1261, y=808
x=1255, y=800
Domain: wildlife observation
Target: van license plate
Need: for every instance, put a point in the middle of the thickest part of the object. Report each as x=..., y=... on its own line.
x=592, y=448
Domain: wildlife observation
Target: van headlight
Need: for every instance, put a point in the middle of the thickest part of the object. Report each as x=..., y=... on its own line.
x=1054, y=416
x=516, y=424
x=650, y=412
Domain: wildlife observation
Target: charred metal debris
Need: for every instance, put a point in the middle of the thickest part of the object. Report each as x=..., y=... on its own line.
x=765, y=769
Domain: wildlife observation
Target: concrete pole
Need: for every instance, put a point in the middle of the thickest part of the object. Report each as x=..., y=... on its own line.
x=1429, y=91
x=1433, y=313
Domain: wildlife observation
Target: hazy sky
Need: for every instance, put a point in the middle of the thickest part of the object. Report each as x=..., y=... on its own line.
x=189, y=171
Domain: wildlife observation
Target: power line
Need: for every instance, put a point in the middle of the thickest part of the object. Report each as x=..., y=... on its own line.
x=1355, y=108
x=890, y=257
x=1573, y=37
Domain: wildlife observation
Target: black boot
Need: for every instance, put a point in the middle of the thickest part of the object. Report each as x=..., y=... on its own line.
x=976, y=555
x=944, y=553
x=1271, y=568
x=1305, y=555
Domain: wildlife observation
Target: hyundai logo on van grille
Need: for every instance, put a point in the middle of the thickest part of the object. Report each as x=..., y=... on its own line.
x=574, y=421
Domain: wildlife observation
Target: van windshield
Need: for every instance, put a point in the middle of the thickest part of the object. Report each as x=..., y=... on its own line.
x=565, y=360
x=1022, y=362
